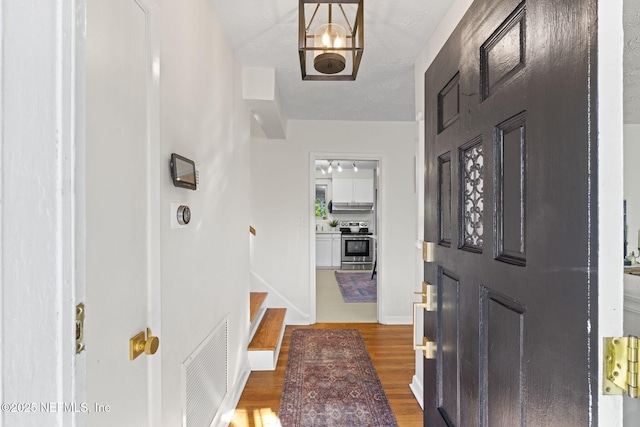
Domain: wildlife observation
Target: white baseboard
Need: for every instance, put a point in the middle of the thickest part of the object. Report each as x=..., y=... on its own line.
x=396, y=320
x=230, y=402
x=417, y=389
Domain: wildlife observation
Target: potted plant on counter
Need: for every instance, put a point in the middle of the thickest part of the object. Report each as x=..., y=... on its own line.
x=333, y=223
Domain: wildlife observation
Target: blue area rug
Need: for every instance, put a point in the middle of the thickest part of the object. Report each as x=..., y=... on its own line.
x=357, y=287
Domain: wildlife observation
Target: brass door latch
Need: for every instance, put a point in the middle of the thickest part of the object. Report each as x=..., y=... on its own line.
x=140, y=344
x=621, y=366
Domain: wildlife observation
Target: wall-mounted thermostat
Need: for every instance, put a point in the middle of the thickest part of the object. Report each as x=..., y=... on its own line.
x=180, y=215
x=184, y=214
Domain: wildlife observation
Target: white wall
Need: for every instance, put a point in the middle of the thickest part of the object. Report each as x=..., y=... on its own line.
x=281, y=210
x=205, y=267
x=632, y=183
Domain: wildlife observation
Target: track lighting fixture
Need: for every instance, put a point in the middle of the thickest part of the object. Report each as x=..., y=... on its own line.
x=355, y=168
x=339, y=167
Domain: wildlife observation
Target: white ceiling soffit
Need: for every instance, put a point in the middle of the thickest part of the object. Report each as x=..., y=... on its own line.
x=264, y=33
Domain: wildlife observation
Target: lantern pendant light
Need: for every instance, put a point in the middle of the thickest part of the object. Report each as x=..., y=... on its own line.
x=337, y=52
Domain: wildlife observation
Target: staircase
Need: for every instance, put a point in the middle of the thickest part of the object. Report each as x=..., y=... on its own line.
x=267, y=330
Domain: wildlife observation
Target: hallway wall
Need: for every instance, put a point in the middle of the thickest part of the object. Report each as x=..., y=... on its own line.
x=205, y=267
x=281, y=209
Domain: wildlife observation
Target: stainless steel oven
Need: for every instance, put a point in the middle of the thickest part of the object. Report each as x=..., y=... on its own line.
x=357, y=251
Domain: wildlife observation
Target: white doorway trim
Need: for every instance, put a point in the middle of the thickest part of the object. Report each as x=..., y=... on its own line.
x=37, y=161
x=313, y=156
x=609, y=276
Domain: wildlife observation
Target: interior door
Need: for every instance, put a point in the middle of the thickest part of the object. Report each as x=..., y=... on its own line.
x=121, y=214
x=509, y=204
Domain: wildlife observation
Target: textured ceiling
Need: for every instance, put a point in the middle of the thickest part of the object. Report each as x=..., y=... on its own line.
x=632, y=61
x=263, y=33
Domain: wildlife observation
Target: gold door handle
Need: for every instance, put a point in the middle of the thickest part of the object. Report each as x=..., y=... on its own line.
x=428, y=347
x=143, y=344
x=429, y=303
x=429, y=297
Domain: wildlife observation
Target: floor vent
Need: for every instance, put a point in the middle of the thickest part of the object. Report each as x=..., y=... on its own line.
x=206, y=378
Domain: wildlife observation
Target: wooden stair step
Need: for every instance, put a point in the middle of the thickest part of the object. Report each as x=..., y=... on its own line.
x=269, y=331
x=255, y=302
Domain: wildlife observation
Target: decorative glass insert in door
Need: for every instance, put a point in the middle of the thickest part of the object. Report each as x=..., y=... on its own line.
x=472, y=195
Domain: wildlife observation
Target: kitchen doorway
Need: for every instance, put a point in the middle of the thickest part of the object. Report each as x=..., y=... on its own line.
x=345, y=238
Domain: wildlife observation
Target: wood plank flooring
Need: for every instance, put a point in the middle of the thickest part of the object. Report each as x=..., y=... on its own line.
x=390, y=349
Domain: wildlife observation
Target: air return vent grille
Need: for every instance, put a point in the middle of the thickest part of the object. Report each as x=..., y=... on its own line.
x=206, y=378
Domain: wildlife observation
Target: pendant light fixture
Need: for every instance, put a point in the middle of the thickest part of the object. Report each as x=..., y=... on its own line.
x=335, y=35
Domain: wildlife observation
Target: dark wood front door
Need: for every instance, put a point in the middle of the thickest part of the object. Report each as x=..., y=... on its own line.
x=510, y=199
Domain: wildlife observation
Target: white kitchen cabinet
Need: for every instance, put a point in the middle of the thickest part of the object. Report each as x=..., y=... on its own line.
x=349, y=190
x=336, y=250
x=323, y=250
x=363, y=190
x=328, y=250
x=342, y=190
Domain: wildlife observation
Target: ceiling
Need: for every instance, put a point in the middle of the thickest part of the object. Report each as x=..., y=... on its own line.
x=263, y=33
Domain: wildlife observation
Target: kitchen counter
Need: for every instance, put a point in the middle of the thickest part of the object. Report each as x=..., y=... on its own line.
x=327, y=232
x=632, y=269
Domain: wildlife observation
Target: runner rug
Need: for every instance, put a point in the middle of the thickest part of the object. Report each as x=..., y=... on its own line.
x=357, y=287
x=331, y=382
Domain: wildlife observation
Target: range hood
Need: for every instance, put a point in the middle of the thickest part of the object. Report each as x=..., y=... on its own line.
x=349, y=207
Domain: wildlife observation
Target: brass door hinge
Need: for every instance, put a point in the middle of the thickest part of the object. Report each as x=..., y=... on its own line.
x=621, y=366
x=428, y=251
x=79, y=328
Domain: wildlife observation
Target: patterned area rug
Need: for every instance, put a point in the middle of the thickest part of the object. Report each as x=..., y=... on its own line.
x=357, y=287
x=331, y=382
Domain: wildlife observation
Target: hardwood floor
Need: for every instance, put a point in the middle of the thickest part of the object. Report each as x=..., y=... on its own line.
x=390, y=349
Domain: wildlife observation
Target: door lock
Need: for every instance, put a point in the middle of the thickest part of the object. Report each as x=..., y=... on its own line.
x=140, y=344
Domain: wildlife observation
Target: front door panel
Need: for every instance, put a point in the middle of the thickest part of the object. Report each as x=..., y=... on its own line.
x=448, y=385
x=509, y=200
